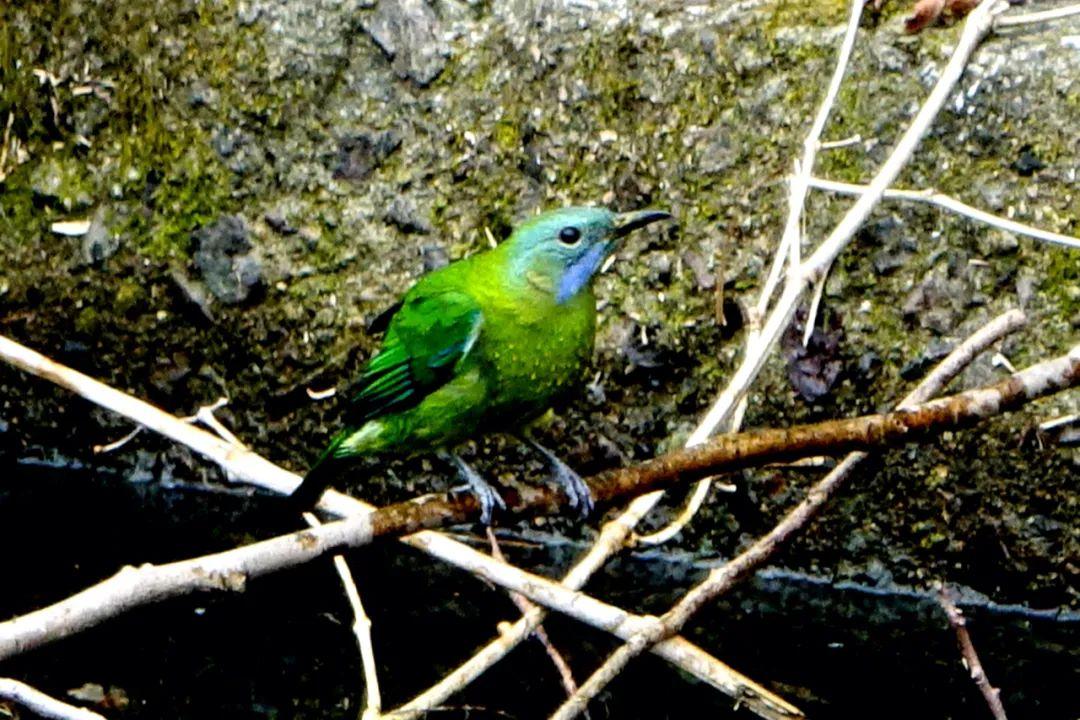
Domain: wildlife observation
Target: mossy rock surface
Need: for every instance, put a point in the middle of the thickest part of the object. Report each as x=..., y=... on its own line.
x=352, y=172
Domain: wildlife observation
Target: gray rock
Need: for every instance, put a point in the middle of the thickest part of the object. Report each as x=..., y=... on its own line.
x=99, y=244
x=434, y=257
x=201, y=94
x=409, y=32
x=224, y=257
x=359, y=155
x=403, y=214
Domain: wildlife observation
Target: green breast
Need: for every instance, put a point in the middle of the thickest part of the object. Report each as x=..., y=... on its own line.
x=531, y=350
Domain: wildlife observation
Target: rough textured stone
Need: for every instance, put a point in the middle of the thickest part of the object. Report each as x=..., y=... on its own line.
x=224, y=258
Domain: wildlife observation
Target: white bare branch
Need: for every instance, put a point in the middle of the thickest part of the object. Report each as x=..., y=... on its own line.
x=933, y=197
x=41, y=704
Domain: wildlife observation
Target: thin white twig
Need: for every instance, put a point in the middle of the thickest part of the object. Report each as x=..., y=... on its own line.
x=837, y=144
x=789, y=248
x=721, y=579
x=1037, y=17
x=811, y=314
x=205, y=415
x=361, y=628
x=947, y=202
x=1057, y=422
x=41, y=704
x=975, y=28
x=620, y=623
x=117, y=444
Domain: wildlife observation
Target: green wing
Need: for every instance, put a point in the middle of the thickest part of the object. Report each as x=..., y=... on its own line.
x=425, y=340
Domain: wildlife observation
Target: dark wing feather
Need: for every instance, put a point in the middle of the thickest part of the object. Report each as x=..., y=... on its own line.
x=425, y=340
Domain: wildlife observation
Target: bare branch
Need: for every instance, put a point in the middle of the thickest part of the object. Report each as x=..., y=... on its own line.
x=41, y=704
x=790, y=247
x=933, y=197
x=525, y=606
x=1037, y=17
x=245, y=465
x=231, y=570
x=971, y=658
x=975, y=28
x=728, y=575
x=362, y=630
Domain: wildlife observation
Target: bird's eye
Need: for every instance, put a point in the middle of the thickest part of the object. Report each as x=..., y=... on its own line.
x=569, y=235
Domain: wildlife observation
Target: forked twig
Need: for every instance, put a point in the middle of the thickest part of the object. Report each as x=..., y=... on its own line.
x=17, y=637
x=1038, y=17
x=361, y=628
x=789, y=249
x=525, y=605
x=728, y=575
x=947, y=202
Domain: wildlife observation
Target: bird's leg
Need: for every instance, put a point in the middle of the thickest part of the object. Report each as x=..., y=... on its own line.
x=486, y=494
x=570, y=481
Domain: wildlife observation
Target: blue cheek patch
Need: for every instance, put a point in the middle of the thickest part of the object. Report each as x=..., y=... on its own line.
x=579, y=271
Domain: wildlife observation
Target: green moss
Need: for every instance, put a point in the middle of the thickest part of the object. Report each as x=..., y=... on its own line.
x=146, y=143
x=89, y=320
x=129, y=296
x=792, y=13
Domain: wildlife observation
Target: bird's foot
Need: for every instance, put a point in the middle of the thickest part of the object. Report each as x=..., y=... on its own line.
x=576, y=489
x=485, y=493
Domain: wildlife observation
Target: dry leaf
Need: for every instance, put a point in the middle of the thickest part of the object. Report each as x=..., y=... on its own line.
x=927, y=12
x=924, y=13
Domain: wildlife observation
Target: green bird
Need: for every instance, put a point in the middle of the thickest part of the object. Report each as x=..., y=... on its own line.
x=487, y=343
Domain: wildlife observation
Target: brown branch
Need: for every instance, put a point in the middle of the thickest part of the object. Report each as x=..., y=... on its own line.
x=231, y=570
x=727, y=453
x=722, y=579
x=245, y=465
x=967, y=651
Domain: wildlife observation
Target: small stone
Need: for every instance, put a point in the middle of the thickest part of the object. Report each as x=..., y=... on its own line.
x=201, y=94
x=714, y=150
x=881, y=231
x=1025, y=288
x=886, y=262
x=223, y=257
x=402, y=213
x=226, y=141
x=993, y=195
x=659, y=267
x=998, y=242
x=99, y=244
x=409, y=32
x=359, y=155
x=1027, y=163
x=248, y=13
x=434, y=257
x=703, y=278
x=868, y=362
x=279, y=224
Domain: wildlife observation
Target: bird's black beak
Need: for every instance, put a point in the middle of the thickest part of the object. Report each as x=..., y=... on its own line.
x=628, y=222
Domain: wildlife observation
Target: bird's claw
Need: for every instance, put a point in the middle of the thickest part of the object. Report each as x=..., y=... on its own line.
x=485, y=494
x=575, y=488
x=489, y=499
x=580, y=497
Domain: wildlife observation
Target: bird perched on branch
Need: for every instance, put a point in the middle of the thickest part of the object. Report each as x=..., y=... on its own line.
x=484, y=344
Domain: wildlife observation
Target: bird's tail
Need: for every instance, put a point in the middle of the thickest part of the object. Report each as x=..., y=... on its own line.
x=307, y=494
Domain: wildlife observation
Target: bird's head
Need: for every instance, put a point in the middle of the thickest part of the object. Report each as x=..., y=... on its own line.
x=562, y=249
